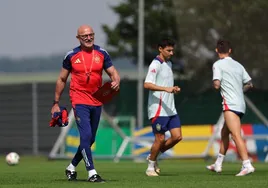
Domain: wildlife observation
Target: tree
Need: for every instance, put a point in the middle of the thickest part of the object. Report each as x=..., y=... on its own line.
x=203, y=22
x=159, y=23
x=197, y=25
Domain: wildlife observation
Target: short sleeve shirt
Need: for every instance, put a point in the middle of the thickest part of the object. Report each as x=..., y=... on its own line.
x=160, y=103
x=232, y=76
x=86, y=73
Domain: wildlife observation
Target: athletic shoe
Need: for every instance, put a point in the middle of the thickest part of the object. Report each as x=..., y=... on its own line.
x=245, y=171
x=151, y=173
x=71, y=175
x=157, y=169
x=96, y=179
x=214, y=168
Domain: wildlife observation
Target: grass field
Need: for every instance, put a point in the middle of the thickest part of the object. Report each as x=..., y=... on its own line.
x=38, y=172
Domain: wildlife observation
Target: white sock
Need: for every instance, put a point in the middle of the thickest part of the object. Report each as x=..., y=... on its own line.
x=247, y=163
x=92, y=172
x=71, y=167
x=219, y=159
x=151, y=165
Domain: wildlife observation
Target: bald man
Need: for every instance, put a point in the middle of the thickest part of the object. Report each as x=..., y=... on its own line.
x=86, y=64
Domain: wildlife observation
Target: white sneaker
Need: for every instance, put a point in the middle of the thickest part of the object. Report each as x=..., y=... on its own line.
x=157, y=169
x=245, y=171
x=214, y=168
x=151, y=172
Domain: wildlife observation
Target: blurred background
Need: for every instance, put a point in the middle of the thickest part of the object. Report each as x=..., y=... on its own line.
x=36, y=34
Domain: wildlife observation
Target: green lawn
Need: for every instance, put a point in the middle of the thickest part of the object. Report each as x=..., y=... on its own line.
x=38, y=172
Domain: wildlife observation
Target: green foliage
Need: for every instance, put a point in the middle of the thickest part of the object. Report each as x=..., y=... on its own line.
x=159, y=23
x=196, y=25
x=202, y=22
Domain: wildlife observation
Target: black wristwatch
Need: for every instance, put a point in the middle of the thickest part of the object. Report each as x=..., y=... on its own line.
x=55, y=102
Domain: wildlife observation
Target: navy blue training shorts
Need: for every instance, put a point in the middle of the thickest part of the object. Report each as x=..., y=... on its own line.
x=162, y=124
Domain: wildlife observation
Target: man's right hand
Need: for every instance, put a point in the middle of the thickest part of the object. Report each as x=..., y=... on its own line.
x=55, y=108
x=174, y=89
x=177, y=89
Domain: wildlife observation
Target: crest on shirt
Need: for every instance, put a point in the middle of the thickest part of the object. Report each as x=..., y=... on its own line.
x=97, y=59
x=158, y=127
x=153, y=71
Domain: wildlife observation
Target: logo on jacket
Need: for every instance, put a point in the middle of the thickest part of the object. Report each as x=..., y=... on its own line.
x=106, y=93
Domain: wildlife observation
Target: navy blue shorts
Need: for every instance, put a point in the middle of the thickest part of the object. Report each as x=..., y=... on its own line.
x=240, y=114
x=162, y=124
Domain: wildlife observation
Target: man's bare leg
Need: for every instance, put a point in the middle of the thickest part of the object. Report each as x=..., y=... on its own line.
x=234, y=125
x=224, y=145
x=155, y=149
x=176, y=137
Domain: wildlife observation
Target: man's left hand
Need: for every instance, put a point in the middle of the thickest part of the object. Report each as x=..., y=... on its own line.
x=115, y=85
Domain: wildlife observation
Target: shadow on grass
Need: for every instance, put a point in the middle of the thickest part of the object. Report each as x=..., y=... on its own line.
x=168, y=174
x=223, y=174
x=83, y=180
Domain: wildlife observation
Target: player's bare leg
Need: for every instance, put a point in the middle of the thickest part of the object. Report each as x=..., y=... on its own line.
x=157, y=145
x=234, y=125
x=169, y=143
x=224, y=145
x=225, y=140
x=176, y=137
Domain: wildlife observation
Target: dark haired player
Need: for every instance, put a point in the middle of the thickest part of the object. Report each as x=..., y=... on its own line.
x=233, y=80
x=161, y=106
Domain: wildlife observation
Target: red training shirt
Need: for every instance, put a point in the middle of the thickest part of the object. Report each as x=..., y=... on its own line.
x=86, y=73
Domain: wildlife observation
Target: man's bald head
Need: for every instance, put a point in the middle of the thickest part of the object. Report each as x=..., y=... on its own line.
x=84, y=29
x=85, y=35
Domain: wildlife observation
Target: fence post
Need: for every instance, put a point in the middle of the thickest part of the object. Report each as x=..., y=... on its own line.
x=35, y=118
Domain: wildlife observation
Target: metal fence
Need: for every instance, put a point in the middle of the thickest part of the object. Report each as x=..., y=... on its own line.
x=25, y=112
x=25, y=116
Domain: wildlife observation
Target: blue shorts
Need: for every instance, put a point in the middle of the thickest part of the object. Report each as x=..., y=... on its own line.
x=240, y=114
x=162, y=124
